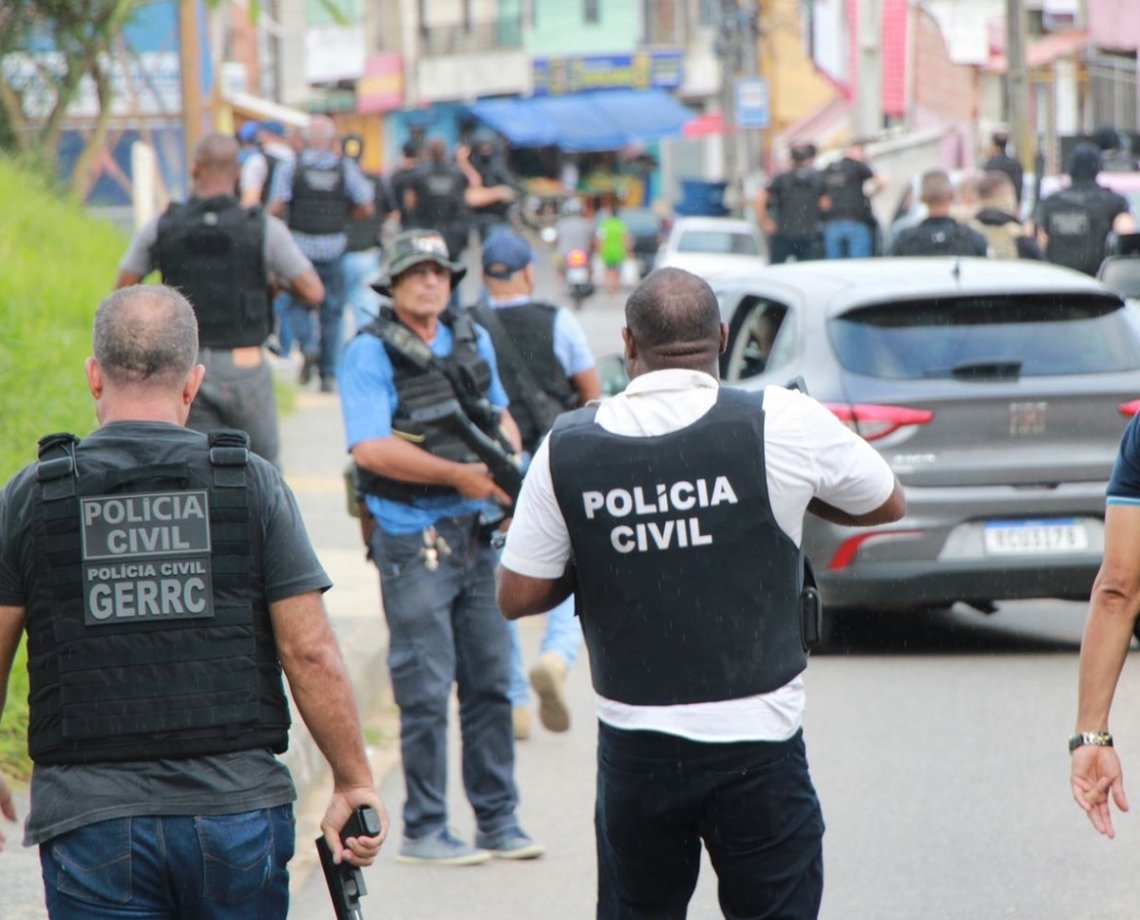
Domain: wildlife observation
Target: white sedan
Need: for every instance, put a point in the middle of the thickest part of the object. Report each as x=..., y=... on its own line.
x=711, y=246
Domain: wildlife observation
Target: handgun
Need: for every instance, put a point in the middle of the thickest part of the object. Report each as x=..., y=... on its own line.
x=346, y=881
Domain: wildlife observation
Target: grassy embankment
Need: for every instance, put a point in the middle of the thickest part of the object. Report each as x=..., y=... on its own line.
x=56, y=264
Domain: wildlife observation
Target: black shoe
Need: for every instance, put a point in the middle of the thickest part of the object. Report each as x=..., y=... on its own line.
x=328, y=385
x=307, y=368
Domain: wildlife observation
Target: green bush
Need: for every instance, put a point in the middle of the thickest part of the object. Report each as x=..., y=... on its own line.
x=56, y=264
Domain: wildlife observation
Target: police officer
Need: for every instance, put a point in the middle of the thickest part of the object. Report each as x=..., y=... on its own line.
x=257, y=170
x=1000, y=161
x=224, y=259
x=938, y=234
x=402, y=381
x=790, y=210
x=683, y=548
x=1074, y=223
x=363, y=249
x=438, y=199
x=547, y=368
x=849, y=228
x=402, y=179
x=996, y=220
x=165, y=581
x=489, y=174
x=321, y=190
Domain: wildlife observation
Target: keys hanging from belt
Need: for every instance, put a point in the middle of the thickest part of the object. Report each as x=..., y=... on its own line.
x=434, y=547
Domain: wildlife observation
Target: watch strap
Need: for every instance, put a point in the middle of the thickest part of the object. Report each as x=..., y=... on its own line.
x=1096, y=739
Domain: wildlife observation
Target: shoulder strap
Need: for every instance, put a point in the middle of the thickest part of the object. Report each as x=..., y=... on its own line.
x=56, y=470
x=543, y=410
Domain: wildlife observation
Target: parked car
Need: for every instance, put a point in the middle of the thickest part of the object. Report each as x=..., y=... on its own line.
x=710, y=246
x=998, y=393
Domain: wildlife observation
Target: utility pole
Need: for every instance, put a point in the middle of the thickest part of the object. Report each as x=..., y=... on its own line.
x=1017, y=83
x=728, y=49
x=736, y=41
x=190, y=67
x=869, y=113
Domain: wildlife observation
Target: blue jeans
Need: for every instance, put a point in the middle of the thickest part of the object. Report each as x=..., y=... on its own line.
x=445, y=628
x=208, y=867
x=751, y=802
x=563, y=635
x=326, y=343
x=847, y=239
x=361, y=270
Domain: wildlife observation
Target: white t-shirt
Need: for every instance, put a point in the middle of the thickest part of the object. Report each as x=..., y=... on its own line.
x=808, y=453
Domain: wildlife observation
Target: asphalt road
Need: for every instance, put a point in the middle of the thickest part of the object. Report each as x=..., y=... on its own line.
x=938, y=748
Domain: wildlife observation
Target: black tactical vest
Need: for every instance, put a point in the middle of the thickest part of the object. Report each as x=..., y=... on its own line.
x=440, y=205
x=938, y=236
x=797, y=205
x=1078, y=224
x=687, y=587
x=530, y=328
x=320, y=204
x=421, y=392
x=364, y=232
x=150, y=639
x=213, y=251
x=844, y=183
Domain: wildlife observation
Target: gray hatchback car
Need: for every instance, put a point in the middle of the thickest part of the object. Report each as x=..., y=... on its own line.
x=998, y=393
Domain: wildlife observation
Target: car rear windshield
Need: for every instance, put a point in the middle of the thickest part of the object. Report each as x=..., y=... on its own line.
x=986, y=337
x=717, y=241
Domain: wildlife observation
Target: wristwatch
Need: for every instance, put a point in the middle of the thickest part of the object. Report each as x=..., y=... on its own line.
x=1097, y=739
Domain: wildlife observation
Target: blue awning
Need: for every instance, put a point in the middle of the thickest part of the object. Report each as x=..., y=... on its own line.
x=644, y=115
x=603, y=120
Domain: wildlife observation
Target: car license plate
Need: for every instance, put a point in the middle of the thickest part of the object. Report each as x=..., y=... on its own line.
x=1015, y=538
x=578, y=275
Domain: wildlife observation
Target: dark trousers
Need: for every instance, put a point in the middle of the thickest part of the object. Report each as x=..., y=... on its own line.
x=751, y=803
x=782, y=248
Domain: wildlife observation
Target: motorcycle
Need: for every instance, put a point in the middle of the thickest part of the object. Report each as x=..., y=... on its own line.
x=578, y=276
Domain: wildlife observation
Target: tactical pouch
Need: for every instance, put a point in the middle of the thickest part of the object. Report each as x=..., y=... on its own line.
x=811, y=609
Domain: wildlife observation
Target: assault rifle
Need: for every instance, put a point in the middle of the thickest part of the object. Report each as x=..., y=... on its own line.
x=469, y=416
x=346, y=881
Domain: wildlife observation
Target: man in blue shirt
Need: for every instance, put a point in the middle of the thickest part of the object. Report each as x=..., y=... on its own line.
x=321, y=191
x=547, y=368
x=425, y=489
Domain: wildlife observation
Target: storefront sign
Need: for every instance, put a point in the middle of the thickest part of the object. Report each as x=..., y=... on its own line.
x=381, y=89
x=642, y=70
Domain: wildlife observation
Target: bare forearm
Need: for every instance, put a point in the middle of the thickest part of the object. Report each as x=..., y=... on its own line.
x=1104, y=647
x=321, y=689
x=521, y=596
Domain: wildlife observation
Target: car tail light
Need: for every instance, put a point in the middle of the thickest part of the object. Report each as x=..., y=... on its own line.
x=1129, y=409
x=874, y=422
x=576, y=258
x=849, y=548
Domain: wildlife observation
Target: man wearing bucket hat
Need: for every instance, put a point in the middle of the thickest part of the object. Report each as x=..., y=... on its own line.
x=401, y=381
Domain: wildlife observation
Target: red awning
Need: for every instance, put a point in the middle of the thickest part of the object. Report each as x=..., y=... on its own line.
x=1044, y=51
x=704, y=126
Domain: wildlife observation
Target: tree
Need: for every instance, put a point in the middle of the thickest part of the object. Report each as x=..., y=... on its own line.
x=47, y=49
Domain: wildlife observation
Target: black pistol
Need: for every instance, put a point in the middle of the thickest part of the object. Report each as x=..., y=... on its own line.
x=346, y=881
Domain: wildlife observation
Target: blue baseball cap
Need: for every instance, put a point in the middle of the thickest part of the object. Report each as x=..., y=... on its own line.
x=273, y=127
x=248, y=132
x=504, y=253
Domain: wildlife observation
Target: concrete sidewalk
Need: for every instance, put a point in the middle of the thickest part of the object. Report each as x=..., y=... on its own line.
x=313, y=454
